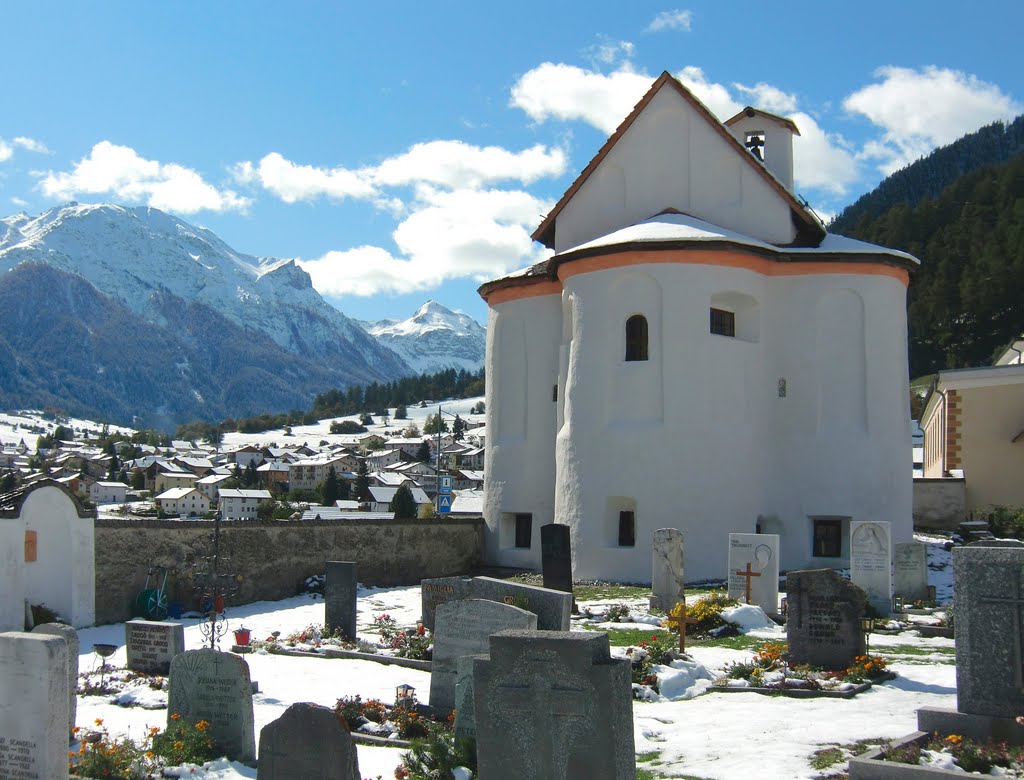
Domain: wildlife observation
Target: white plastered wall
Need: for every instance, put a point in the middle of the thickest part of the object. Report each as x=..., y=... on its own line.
x=701, y=174
x=522, y=370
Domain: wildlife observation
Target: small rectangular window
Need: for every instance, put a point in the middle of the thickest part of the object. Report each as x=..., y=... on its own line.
x=627, y=529
x=723, y=322
x=524, y=530
x=828, y=538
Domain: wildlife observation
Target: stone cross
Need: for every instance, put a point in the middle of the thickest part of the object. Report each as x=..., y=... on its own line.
x=747, y=574
x=543, y=697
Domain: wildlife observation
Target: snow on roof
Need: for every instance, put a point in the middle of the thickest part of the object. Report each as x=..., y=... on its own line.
x=673, y=226
x=241, y=493
x=333, y=513
x=175, y=493
x=468, y=502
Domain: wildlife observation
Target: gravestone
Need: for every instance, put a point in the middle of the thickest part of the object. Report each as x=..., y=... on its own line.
x=667, y=569
x=70, y=637
x=823, y=619
x=754, y=569
x=552, y=607
x=464, y=628
x=871, y=562
x=151, y=645
x=910, y=571
x=440, y=590
x=556, y=557
x=553, y=705
x=307, y=741
x=465, y=711
x=33, y=706
x=214, y=686
x=340, y=597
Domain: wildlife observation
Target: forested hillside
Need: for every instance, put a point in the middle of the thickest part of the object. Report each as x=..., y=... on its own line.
x=929, y=176
x=966, y=300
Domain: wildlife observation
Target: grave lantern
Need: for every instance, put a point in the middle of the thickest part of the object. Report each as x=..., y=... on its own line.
x=405, y=696
x=897, y=604
x=865, y=627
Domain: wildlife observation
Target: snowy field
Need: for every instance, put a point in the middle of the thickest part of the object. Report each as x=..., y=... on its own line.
x=712, y=735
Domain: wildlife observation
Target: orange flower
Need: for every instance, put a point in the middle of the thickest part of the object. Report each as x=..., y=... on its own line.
x=175, y=716
x=99, y=721
x=203, y=725
x=179, y=745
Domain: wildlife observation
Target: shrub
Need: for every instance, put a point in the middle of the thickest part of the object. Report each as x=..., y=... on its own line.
x=185, y=742
x=707, y=613
x=435, y=755
x=1004, y=521
x=106, y=757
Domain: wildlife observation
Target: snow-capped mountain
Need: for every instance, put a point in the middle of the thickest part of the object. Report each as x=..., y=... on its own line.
x=435, y=338
x=234, y=333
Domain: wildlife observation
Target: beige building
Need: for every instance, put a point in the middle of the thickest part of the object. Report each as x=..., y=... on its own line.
x=973, y=425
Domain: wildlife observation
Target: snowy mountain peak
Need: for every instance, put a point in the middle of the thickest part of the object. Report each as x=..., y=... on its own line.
x=435, y=338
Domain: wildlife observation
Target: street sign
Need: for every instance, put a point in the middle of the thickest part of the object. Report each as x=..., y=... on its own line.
x=446, y=484
x=444, y=504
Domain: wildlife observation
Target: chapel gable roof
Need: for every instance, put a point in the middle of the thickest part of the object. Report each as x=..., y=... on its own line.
x=750, y=111
x=809, y=231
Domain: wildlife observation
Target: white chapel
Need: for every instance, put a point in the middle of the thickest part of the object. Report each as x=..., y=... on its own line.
x=699, y=353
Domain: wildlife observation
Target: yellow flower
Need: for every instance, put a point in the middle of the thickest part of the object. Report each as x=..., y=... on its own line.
x=149, y=754
x=179, y=745
x=99, y=721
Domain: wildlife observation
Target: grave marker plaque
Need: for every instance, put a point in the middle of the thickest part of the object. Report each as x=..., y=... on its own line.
x=910, y=571
x=556, y=557
x=440, y=590
x=306, y=742
x=70, y=637
x=33, y=706
x=754, y=569
x=464, y=628
x=871, y=562
x=151, y=645
x=340, y=597
x=823, y=618
x=667, y=569
x=214, y=686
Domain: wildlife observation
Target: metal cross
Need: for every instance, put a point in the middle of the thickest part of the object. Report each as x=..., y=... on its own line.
x=542, y=702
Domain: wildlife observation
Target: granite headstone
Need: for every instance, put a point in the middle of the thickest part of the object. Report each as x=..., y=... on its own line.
x=441, y=590
x=33, y=706
x=464, y=628
x=553, y=705
x=465, y=711
x=823, y=618
x=553, y=608
x=340, y=597
x=556, y=557
x=151, y=645
x=307, y=741
x=910, y=571
x=216, y=687
x=871, y=562
x=754, y=569
x=667, y=587
x=70, y=636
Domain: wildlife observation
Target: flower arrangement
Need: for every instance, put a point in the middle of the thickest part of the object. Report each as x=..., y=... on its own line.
x=864, y=668
x=707, y=613
x=404, y=722
x=659, y=649
x=125, y=759
x=769, y=669
x=616, y=613
x=968, y=754
x=436, y=755
x=413, y=643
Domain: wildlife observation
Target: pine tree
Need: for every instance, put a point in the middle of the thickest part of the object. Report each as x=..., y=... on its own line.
x=435, y=423
x=423, y=453
x=329, y=492
x=403, y=504
x=362, y=485
x=458, y=428
x=401, y=413
x=251, y=478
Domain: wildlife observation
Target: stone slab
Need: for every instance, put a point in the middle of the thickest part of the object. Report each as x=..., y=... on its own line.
x=440, y=590
x=989, y=619
x=667, y=588
x=556, y=557
x=758, y=554
x=464, y=628
x=871, y=562
x=910, y=571
x=70, y=637
x=553, y=608
x=33, y=706
x=340, y=593
x=214, y=686
x=948, y=721
x=823, y=620
x=307, y=741
x=869, y=766
x=151, y=645
x=553, y=705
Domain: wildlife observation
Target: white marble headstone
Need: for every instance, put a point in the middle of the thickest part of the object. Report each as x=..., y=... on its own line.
x=755, y=558
x=910, y=571
x=871, y=562
x=667, y=569
x=33, y=706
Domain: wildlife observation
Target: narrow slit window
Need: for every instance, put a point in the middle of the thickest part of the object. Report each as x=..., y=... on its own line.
x=636, y=338
x=524, y=530
x=723, y=322
x=627, y=529
x=828, y=538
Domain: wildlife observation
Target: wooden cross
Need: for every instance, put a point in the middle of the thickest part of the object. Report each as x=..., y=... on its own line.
x=681, y=623
x=541, y=702
x=748, y=573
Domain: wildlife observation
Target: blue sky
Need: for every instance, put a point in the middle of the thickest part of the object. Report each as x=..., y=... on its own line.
x=405, y=151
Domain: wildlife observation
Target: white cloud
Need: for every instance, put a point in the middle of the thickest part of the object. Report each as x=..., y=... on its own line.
x=5, y=151
x=566, y=92
x=671, y=20
x=712, y=94
x=19, y=202
x=121, y=172
x=31, y=145
x=292, y=182
x=768, y=98
x=920, y=110
x=457, y=165
x=822, y=160
x=609, y=52
x=462, y=233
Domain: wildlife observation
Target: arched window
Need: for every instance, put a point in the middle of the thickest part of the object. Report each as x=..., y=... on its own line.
x=636, y=337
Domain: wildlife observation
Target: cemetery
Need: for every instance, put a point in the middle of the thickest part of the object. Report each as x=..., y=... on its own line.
x=512, y=683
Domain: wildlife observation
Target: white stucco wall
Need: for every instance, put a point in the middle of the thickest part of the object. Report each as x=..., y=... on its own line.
x=703, y=175
x=778, y=144
x=697, y=437
x=522, y=369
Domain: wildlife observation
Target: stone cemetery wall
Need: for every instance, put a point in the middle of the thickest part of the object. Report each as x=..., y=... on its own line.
x=939, y=503
x=272, y=559
x=33, y=706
